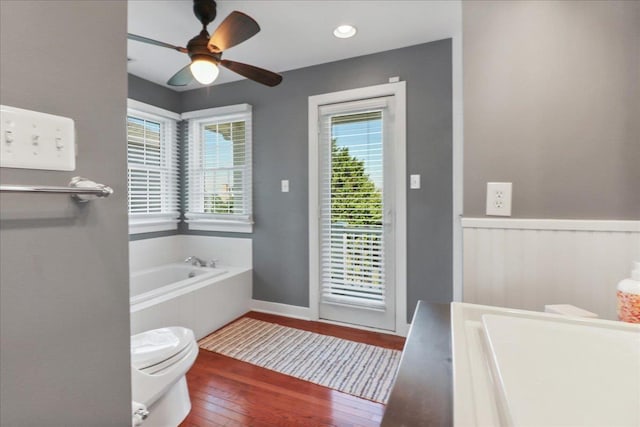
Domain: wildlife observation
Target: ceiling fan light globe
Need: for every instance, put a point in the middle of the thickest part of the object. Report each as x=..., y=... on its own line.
x=204, y=71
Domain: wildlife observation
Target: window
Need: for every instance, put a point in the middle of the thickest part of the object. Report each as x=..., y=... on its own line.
x=219, y=169
x=352, y=207
x=152, y=168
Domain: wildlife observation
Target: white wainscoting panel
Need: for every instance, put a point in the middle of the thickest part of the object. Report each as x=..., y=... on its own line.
x=230, y=251
x=516, y=264
x=235, y=251
x=148, y=253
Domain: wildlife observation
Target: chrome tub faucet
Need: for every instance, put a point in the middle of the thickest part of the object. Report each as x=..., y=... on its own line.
x=195, y=261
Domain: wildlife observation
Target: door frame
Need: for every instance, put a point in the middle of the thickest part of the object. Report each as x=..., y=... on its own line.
x=398, y=90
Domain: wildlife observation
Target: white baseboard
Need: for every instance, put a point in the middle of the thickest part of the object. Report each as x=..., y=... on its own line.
x=402, y=331
x=287, y=310
x=304, y=313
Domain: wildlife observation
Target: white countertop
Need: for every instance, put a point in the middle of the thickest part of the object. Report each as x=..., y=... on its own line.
x=521, y=368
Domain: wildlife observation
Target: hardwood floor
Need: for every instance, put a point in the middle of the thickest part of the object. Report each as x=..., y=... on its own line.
x=228, y=392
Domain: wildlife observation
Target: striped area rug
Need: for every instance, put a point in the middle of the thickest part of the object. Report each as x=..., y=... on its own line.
x=362, y=370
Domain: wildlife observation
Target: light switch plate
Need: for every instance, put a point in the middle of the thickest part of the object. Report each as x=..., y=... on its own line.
x=284, y=185
x=499, y=198
x=414, y=182
x=34, y=140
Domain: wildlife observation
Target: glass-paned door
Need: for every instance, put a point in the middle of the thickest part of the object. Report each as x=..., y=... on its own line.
x=356, y=227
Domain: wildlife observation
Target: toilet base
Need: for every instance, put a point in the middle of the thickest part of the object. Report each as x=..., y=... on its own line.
x=172, y=408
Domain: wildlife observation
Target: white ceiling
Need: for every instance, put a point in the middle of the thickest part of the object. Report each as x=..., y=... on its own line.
x=294, y=33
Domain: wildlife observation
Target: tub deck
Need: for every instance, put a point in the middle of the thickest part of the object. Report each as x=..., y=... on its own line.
x=202, y=307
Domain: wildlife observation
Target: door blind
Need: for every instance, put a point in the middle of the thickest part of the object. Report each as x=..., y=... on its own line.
x=219, y=175
x=152, y=166
x=351, y=208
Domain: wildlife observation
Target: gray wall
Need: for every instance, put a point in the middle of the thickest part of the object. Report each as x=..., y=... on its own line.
x=150, y=93
x=280, y=238
x=64, y=297
x=552, y=104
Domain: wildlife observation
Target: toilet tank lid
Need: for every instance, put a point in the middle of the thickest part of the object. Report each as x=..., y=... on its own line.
x=155, y=346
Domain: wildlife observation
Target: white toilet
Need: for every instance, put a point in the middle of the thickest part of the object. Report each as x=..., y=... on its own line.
x=160, y=358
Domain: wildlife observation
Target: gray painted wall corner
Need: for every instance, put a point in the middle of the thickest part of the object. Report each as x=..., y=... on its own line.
x=150, y=93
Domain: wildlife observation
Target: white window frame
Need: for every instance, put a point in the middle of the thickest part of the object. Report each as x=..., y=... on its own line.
x=218, y=222
x=153, y=222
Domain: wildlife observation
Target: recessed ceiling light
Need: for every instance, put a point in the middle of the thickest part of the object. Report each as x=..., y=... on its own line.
x=344, y=31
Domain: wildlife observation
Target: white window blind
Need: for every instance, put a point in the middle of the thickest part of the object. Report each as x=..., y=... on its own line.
x=152, y=171
x=352, y=266
x=219, y=169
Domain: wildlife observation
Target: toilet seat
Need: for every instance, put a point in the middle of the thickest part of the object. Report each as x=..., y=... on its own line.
x=153, y=351
x=161, y=367
x=160, y=358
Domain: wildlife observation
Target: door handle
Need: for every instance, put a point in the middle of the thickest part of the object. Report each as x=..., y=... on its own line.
x=388, y=218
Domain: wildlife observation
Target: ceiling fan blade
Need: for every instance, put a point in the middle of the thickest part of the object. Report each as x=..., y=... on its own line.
x=259, y=75
x=182, y=77
x=155, y=42
x=236, y=28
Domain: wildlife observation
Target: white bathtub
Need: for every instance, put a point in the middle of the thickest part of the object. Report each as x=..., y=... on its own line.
x=150, y=283
x=166, y=296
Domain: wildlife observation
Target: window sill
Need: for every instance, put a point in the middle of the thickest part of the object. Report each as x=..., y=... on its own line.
x=139, y=226
x=232, y=226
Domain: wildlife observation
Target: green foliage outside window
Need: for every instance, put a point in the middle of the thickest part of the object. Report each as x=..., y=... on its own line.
x=355, y=200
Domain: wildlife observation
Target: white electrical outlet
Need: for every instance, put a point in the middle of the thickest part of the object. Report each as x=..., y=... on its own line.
x=284, y=185
x=499, y=198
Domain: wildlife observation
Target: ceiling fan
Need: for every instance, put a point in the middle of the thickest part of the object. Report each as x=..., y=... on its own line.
x=206, y=51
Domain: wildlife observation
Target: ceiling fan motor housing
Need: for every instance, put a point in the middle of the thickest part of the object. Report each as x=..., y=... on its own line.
x=198, y=48
x=205, y=11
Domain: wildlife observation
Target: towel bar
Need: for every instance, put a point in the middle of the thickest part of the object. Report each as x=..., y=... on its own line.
x=81, y=189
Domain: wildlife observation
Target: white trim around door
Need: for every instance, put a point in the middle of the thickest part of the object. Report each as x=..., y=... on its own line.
x=398, y=90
